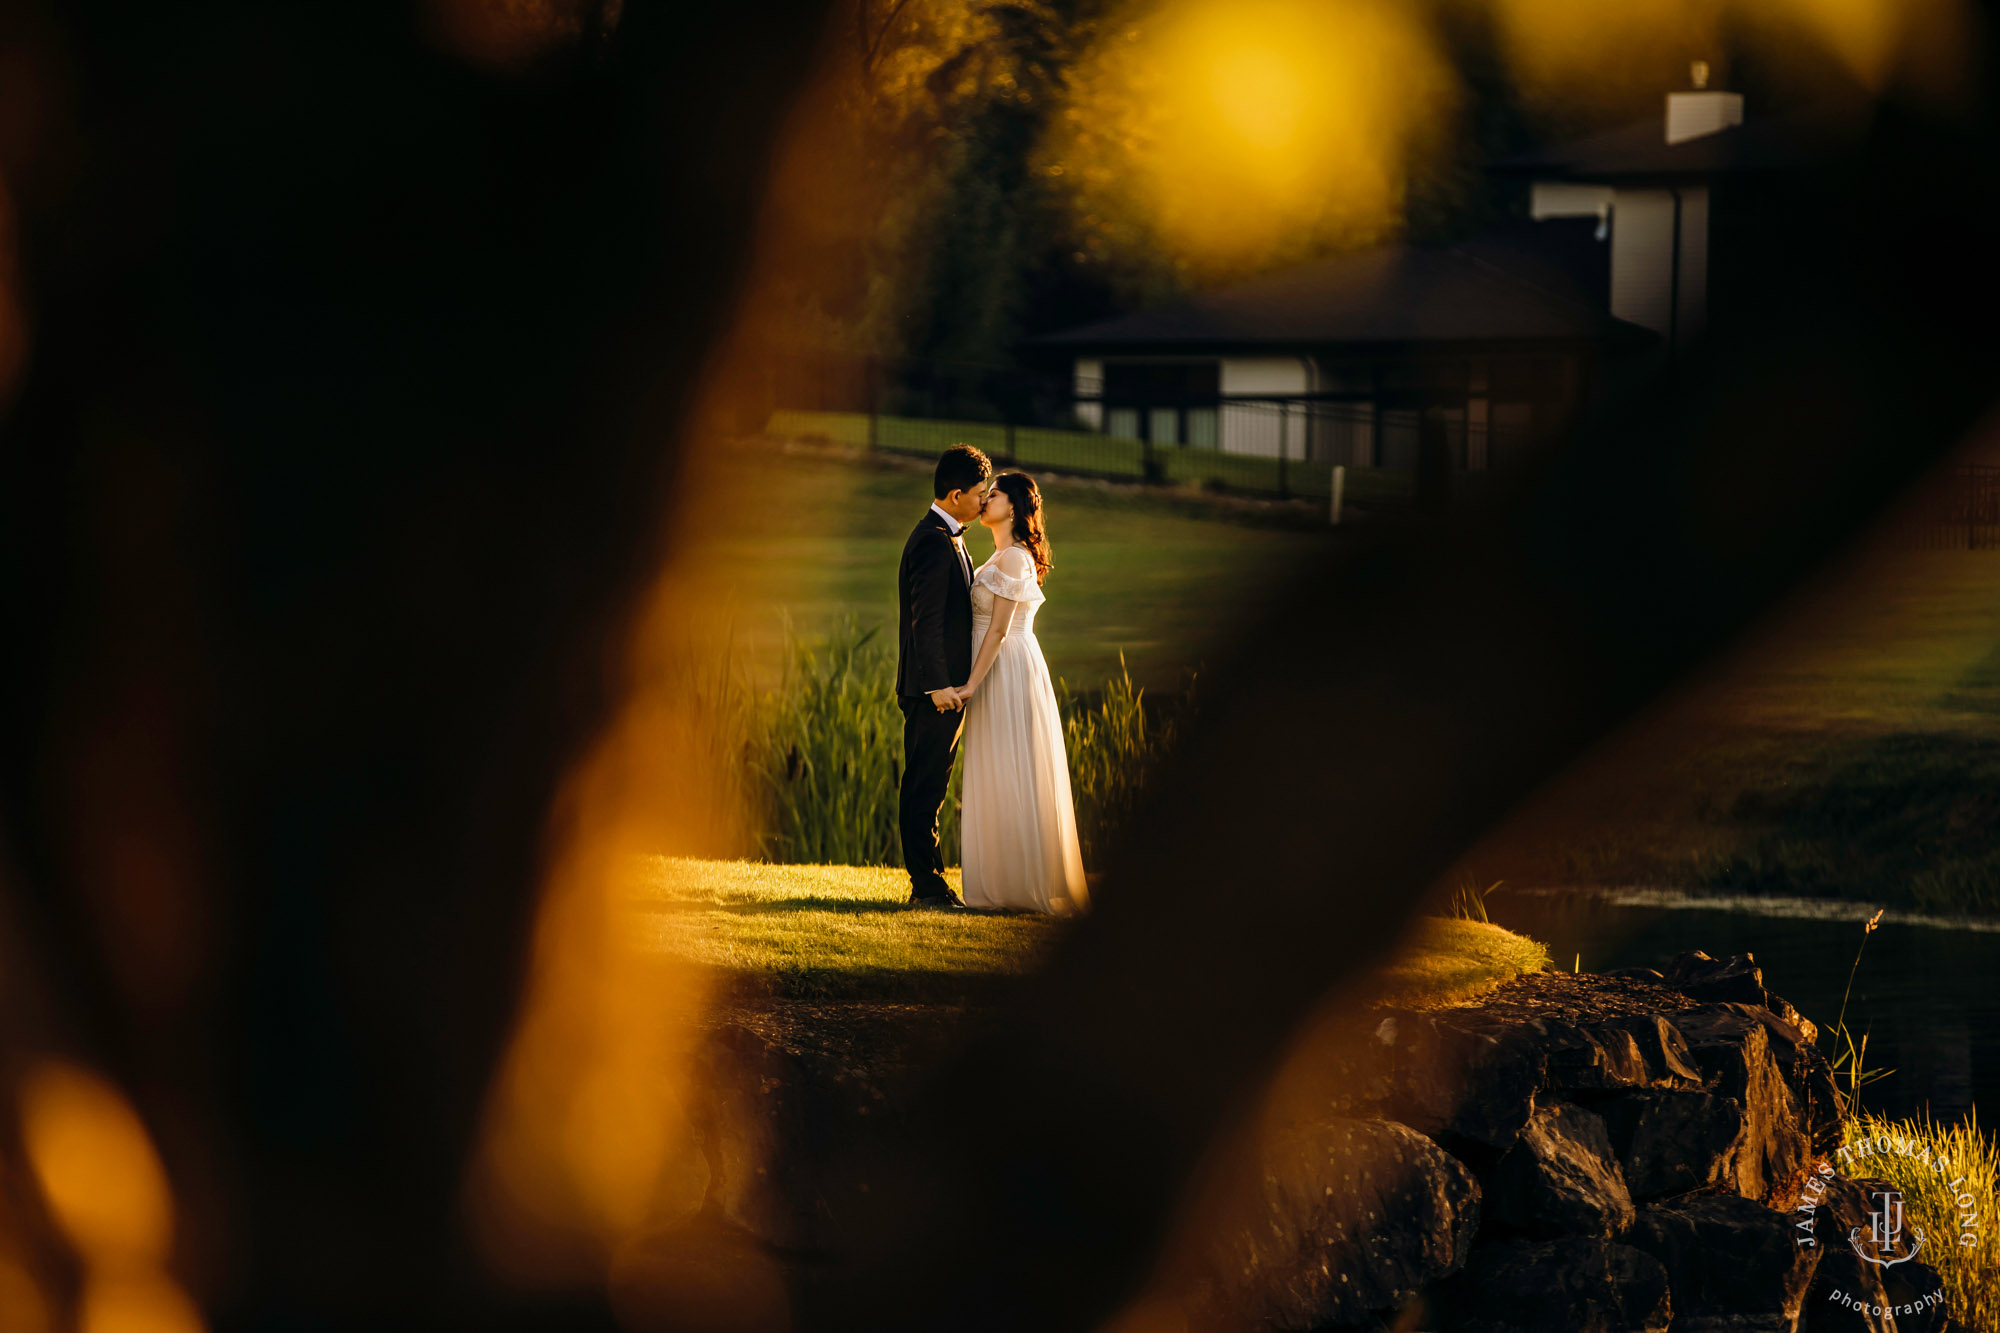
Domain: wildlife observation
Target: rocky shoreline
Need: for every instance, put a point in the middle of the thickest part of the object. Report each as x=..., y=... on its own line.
x=1624, y=1152
x=1615, y=1153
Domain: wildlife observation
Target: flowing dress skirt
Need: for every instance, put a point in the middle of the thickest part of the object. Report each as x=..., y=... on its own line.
x=1020, y=847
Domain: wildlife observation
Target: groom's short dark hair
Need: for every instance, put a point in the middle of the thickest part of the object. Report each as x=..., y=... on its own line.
x=960, y=468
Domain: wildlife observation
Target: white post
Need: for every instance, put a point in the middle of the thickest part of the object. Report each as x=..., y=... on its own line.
x=1339, y=485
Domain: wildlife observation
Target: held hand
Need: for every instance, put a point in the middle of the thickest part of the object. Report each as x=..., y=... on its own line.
x=964, y=693
x=947, y=700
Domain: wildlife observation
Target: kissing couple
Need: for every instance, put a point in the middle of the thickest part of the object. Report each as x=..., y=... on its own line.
x=967, y=662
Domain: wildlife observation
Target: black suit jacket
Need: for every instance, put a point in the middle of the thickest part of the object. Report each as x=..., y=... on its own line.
x=933, y=612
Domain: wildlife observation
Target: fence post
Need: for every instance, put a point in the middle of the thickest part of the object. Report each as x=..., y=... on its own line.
x=1284, y=448
x=1971, y=492
x=1339, y=485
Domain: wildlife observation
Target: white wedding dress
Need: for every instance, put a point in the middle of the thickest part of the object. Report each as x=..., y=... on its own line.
x=1018, y=824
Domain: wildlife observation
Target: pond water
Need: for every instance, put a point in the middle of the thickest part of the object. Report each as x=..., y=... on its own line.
x=1927, y=991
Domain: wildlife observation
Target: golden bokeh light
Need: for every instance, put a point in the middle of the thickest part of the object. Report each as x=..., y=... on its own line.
x=1567, y=57
x=1237, y=134
x=23, y=1307
x=96, y=1166
x=102, y=1181
x=1604, y=59
x=136, y=1302
x=1916, y=45
x=587, y=1141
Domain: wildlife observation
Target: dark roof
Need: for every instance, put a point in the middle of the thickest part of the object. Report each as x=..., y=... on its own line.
x=1529, y=282
x=1640, y=151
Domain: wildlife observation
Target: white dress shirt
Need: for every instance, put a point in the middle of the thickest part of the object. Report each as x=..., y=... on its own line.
x=957, y=541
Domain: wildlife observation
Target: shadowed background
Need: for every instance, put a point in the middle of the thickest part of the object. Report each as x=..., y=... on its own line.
x=338, y=472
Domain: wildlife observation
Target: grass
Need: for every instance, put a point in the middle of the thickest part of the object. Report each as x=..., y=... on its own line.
x=1164, y=581
x=1451, y=960
x=1949, y=1177
x=1850, y=750
x=830, y=933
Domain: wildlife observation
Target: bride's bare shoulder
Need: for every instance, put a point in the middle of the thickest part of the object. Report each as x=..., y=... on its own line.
x=1015, y=562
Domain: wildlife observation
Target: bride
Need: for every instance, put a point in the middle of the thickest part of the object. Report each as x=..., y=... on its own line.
x=1018, y=824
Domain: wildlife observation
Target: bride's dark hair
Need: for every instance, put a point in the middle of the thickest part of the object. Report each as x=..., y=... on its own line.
x=1026, y=497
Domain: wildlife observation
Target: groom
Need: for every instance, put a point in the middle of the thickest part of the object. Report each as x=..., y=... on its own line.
x=934, y=654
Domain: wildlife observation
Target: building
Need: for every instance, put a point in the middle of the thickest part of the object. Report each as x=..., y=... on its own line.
x=1449, y=357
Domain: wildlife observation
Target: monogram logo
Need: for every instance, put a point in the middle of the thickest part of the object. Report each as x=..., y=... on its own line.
x=1885, y=1233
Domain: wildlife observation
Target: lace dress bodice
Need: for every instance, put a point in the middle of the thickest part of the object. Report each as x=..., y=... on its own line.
x=989, y=582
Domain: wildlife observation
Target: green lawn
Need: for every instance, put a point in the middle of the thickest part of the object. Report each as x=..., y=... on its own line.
x=837, y=932
x=1851, y=749
x=1150, y=576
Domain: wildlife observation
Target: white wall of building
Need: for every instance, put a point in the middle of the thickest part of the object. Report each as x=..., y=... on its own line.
x=1261, y=428
x=1089, y=383
x=1642, y=238
x=1564, y=199
x=1243, y=376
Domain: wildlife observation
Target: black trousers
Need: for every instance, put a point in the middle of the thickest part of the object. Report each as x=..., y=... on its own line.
x=930, y=744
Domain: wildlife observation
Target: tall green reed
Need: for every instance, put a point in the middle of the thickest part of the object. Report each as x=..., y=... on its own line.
x=827, y=755
x=818, y=758
x=1850, y=1061
x=1112, y=745
x=1949, y=1177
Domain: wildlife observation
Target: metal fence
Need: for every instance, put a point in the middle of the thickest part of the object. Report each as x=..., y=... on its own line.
x=1094, y=453
x=1417, y=447
x=1303, y=447
x=1959, y=510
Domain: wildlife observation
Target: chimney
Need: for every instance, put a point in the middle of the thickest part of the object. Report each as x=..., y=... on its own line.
x=1691, y=115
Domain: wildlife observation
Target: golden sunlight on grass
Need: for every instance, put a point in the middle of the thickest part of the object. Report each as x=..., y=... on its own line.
x=103, y=1182
x=1446, y=961
x=816, y=930
x=822, y=930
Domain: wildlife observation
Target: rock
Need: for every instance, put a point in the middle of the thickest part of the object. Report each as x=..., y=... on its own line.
x=1740, y=1048
x=1846, y=1291
x=1711, y=1024
x=1916, y=1293
x=1662, y=1046
x=1616, y=1054
x=1463, y=1082
x=1350, y=1217
x=1783, y=1010
x=1560, y=1178
x=1818, y=1104
x=1700, y=977
x=1672, y=1140
x=1732, y=1264
x=1573, y=1285
x=1636, y=973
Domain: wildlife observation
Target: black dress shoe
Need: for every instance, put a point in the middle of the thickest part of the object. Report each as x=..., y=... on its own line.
x=949, y=901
